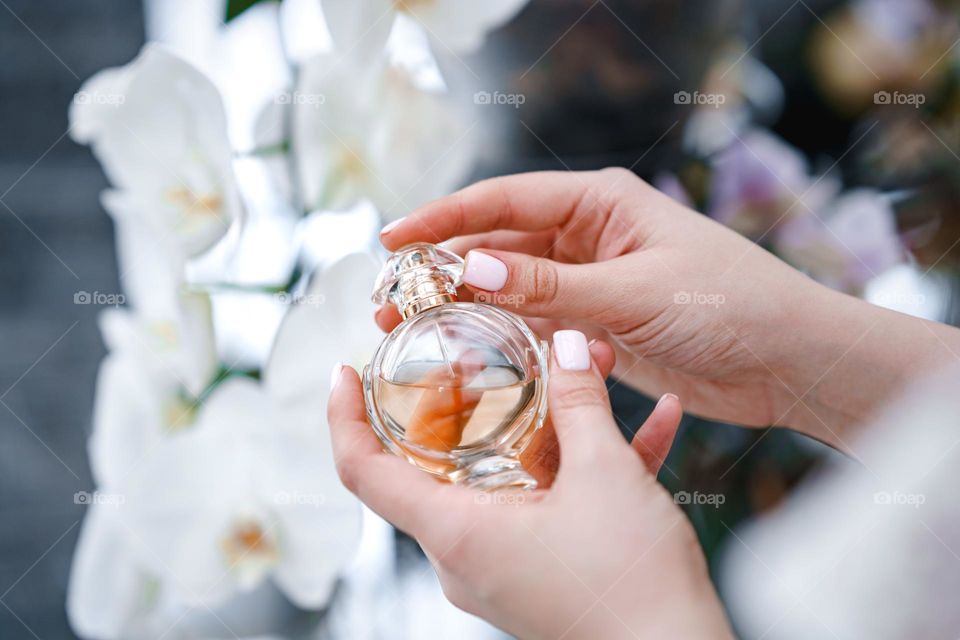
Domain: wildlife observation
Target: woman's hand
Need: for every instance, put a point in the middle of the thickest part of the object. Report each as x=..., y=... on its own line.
x=690, y=306
x=604, y=553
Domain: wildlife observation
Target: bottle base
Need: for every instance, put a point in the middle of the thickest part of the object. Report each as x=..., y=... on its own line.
x=495, y=473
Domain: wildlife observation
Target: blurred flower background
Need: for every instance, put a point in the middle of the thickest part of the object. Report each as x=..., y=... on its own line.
x=171, y=317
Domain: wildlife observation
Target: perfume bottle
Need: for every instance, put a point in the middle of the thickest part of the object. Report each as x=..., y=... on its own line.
x=457, y=388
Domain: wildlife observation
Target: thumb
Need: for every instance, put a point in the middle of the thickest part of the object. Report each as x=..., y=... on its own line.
x=537, y=286
x=578, y=403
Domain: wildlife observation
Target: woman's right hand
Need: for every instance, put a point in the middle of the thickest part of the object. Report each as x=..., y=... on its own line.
x=692, y=307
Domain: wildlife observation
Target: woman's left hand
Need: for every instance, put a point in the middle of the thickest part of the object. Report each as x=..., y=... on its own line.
x=605, y=552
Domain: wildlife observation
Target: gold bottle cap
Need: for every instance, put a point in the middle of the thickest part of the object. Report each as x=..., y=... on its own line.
x=419, y=277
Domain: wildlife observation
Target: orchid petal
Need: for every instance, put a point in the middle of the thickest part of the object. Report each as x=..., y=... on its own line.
x=337, y=303
x=165, y=143
x=319, y=518
x=359, y=28
x=107, y=585
x=372, y=132
x=459, y=26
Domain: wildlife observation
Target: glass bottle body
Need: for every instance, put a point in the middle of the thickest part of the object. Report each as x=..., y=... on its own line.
x=459, y=390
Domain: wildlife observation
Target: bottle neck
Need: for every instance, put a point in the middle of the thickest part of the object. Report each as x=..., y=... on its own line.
x=419, y=277
x=423, y=288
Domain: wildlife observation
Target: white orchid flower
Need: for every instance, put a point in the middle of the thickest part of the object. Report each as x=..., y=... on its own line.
x=455, y=26
x=149, y=384
x=111, y=594
x=145, y=394
x=249, y=491
x=371, y=132
x=158, y=128
x=332, y=323
x=150, y=261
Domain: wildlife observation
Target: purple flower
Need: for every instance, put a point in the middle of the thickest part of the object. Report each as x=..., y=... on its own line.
x=898, y=22
x=757, y=182
x=845, y=245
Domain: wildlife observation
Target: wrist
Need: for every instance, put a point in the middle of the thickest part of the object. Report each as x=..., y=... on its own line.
x=682, y=604
x=846, y=358
x=823, y=326
x=693, y=613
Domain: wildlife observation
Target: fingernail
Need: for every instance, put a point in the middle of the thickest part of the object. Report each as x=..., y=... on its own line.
x=390, y=227
x=664, y=397
x=484, y=272
x=335, y=375
x=571, y=350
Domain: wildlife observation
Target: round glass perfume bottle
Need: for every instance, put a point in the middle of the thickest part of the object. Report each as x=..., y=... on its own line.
x=457, y=388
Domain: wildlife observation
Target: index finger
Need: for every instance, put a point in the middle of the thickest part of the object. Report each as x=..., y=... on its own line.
x=523, y=202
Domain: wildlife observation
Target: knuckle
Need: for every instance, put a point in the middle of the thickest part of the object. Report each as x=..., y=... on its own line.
x=572, y=395
x=462, y=543
x=466, y=572
x=348, y=474
x=504, y=210
x=459, y=595
x=617, y=177
x=455, y=594
x=617, y=173
x=543, y=281
x=456, y=560
x=458, y=214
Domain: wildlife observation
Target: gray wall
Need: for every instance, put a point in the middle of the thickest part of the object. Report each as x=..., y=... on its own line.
x=54, y=241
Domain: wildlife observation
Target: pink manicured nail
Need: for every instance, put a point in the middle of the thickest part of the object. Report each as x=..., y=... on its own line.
x=571, y=350
x=335, y=375
x=664, y=397
x=390, y=227
x=484, y=272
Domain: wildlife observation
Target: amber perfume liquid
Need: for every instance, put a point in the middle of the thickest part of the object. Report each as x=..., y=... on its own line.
x=448, y=407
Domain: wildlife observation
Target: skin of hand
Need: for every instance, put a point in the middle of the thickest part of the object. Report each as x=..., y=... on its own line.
x=604, y=553
x=541, y=457
x=690, y=306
